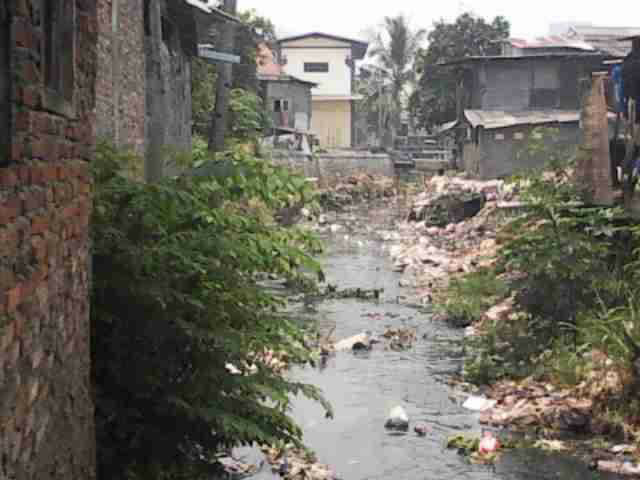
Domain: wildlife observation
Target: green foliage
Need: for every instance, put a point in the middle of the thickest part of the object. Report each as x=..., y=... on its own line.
x=467, y=298
x=248, y=115
x=255, y=30
x=203, y=94
x=434, y=101
x=176, y=298
x=574, y=271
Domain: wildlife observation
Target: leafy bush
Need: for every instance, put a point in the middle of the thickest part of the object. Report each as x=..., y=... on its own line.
x=467, y=298
x=176, y=298
x=576, y=268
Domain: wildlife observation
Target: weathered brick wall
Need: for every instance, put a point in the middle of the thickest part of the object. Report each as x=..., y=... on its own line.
x=46, y=413
x=120, y=86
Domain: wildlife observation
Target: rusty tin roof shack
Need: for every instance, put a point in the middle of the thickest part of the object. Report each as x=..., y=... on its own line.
x=548, y=81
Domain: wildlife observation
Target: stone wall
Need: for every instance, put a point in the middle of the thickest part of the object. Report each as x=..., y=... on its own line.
x=120, y=86
x=330, y=166
x=46, y=412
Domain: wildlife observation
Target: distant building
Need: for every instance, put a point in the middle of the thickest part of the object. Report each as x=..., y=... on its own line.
x=607, y=40
x=287, y=98
x=328, y=61
x=504, y=98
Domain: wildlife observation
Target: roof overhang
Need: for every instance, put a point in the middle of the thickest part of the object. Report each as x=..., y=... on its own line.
x=549, y=56
x=213, y=11
x=210, y=54
x=358, y=47
x=493, y=120
x=285, y=79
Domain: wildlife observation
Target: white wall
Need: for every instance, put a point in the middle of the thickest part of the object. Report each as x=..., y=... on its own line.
x=317, y=50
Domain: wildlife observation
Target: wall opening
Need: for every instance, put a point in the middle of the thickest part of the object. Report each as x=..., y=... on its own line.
x=5, y=84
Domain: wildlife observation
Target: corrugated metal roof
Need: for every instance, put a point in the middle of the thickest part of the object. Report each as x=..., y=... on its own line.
x=552, y=42
x=490, y=119
x=573, y=55
x=445, y=127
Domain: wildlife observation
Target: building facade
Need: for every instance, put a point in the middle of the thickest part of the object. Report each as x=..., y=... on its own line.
x=48, y=67
x=328, y=61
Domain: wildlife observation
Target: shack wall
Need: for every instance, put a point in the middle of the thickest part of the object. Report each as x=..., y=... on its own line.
x=299, y=96
x=502, y=152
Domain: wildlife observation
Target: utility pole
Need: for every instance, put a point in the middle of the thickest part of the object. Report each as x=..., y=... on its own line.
x=220, y=114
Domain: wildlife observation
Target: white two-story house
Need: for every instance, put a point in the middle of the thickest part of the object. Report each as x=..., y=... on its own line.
x=328, y=61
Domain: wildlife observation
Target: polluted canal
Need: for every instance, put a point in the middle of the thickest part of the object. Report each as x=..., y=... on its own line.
x=364, y=386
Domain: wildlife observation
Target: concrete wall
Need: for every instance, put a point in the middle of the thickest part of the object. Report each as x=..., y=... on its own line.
x=335, y=82
x=331, y=166
x=168, y=92
x=46, y=411
x=299, y=96
x=331, y=122
x=500, y=152
x=121, y=82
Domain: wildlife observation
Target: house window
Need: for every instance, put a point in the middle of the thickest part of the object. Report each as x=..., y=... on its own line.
x=518, y=136
x=281, y=105
x=5, y=76
x=499, y=136
x=316, y=67
x=59, y=46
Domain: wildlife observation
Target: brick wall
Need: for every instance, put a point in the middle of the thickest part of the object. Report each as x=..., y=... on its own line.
x=120, y=86
x=46, y=413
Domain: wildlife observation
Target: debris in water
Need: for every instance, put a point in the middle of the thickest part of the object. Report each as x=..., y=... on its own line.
x=478, y=404
x=398, y=419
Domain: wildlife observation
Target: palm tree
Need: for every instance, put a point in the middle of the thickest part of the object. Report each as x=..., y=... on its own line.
x=394, y=49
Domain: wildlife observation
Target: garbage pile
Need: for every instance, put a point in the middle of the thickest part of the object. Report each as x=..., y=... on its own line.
x=355, y=188
x=450, y=228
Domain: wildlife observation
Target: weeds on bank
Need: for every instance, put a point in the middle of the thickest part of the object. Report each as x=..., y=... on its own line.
x=576, y=295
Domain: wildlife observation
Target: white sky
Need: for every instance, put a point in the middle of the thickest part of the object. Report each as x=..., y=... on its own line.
x=351, y=18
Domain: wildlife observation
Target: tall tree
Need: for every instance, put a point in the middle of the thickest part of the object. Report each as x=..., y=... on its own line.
x=434, y=101
x=394, y=50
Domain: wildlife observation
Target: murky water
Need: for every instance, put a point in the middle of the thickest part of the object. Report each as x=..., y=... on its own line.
x=363, y=388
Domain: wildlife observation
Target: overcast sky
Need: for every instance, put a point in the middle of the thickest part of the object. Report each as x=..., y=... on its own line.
x=352, y=17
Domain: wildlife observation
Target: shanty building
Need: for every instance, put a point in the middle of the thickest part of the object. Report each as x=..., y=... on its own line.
x=504, y=99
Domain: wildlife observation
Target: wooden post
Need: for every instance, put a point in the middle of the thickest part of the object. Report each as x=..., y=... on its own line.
x=594, y=161
x=220, y=114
